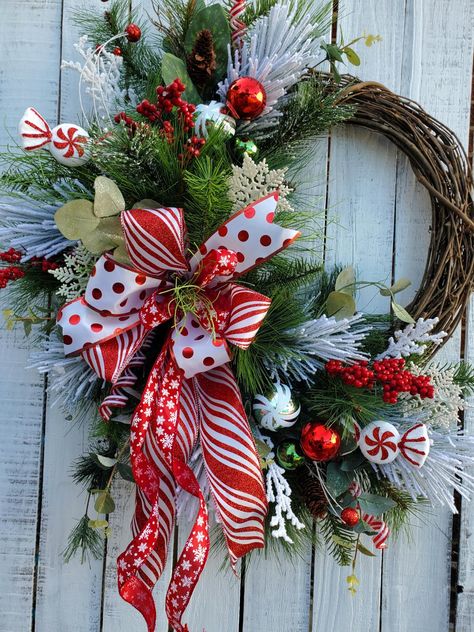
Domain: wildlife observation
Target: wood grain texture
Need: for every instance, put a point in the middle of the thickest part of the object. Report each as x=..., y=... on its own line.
x=435, y=75
x=71, y=587
x=215, y=603
x=465, y=605
x=32, y=55
x=361, y=206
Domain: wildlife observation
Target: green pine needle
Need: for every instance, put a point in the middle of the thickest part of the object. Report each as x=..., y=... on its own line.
x=85, y=541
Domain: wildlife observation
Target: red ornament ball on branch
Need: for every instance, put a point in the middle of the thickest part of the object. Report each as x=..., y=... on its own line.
x=246, y=98
x=117, y=51
x=133, y=32
x=350, y=516
x=320, y=442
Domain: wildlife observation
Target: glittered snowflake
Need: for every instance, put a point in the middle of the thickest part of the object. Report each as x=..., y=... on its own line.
x=443, y=410
x=254, y=180
x=75, y=273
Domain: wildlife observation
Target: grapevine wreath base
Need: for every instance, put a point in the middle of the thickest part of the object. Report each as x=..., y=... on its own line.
x=153, y=252
x=440, y=164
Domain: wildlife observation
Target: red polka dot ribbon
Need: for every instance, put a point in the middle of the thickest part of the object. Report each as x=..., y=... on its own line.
x=190, y=390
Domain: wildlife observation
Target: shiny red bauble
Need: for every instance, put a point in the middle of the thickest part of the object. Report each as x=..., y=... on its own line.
x=350, y=516
x=117, y=51
x=246, y=98
x=133, y=33
x=319, y=442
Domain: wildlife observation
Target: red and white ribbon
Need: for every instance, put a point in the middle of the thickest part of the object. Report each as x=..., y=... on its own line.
x=190, y=390
x=237, y=26
x=378, y=525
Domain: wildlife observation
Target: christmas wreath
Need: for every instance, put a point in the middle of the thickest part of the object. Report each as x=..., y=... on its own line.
x=155, y=254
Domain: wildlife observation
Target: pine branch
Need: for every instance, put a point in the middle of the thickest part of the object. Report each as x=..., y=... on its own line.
x=340, y=541
x=173, y=20
x=84, y=540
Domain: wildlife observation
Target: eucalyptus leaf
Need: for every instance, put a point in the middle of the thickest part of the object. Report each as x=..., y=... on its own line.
x=125, y=472
x=98, y=524
x=364, y=550
x=108, y=199
x=352, y=56
x=147, y=204
x=398, y=286
x=345, y=281
x=106, y=461
x=401, y=313
x=375, y=505
x=111, y=228
x=340, y=305
x=98, y=242
x=121, y=255
x=174, y=68
x=76, y=219
x=213, y=18
x=352, y=461
x=104, y=503
x=337, y=480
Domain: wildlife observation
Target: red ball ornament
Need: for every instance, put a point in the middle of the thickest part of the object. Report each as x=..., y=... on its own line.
x=350, y=516
x=246, y=98
x=133, y=33
x=117, y=51
x=318, y=442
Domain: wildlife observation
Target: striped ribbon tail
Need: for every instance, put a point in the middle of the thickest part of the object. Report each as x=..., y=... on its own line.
x=237, y=26
x=231, y=462
x=378, y=525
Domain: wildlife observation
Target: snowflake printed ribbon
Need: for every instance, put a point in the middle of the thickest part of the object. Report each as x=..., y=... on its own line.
x=190, y=391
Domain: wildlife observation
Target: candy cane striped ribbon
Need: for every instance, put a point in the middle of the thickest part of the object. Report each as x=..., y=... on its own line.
x=238, y=27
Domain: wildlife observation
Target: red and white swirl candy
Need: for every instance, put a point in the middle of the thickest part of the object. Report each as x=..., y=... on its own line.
x=237, y=26
x=381, y=443
x=66, y=142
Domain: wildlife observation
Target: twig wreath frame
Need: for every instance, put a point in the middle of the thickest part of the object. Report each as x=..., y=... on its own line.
x=440, y=164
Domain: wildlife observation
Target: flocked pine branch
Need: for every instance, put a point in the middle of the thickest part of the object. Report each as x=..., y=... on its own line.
x=27, y=222
x=412, y=340
x=319, y=340
x=101, y=78
x=280, y=47
x=72, y=383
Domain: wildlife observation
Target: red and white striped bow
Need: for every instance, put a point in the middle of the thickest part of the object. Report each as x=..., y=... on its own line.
x=190, y=389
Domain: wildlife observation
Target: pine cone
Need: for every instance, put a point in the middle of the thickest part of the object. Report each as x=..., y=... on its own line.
x=202, y=60
x=313, y=496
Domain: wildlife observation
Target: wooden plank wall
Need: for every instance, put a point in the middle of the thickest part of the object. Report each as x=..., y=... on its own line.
x=374, y=208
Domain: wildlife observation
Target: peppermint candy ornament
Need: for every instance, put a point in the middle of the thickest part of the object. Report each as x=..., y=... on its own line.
x=276, y=409
x=66, y=142
x=380, y=443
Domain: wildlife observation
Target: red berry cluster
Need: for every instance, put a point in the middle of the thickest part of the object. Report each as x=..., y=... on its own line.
x=396, y=379
x=194, y=145
x=11, y=256
x=129, y=122
x=169, y=97
x=44, y=264
x=358, y=375
x=12, y=273
x=390, y=373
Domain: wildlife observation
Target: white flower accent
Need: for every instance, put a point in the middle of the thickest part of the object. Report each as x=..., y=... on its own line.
x=212, y=113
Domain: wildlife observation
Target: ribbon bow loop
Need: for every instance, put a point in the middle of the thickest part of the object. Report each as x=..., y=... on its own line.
x=190, y=389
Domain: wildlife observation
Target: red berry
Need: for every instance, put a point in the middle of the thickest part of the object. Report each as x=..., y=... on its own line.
x=117, y=51
x=350, y=516
x=133, y=33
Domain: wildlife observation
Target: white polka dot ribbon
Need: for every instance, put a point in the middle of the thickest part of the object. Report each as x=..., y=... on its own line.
x=108, y=324
x=190, y=392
